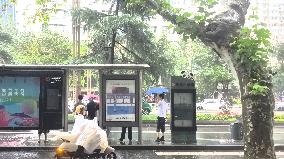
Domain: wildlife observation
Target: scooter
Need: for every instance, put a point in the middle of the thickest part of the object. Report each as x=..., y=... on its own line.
x=68, y=150
x=87, y=141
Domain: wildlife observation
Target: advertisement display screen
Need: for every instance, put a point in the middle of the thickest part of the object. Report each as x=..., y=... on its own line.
x=19, y=101
x=120, y=100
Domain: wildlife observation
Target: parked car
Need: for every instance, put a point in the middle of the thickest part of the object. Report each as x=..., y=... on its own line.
x=279, y=106
x=199, y=106
x=210, y=104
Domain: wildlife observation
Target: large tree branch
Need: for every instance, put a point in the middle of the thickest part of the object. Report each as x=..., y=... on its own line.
x=226, y=25
x=131, y=52
x=166, y=14
x=219, y=30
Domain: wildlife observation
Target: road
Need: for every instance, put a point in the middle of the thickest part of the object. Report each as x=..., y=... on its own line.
x=133, y=154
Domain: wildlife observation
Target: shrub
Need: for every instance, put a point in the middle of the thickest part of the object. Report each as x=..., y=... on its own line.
x=219, y=116
x=222, y=117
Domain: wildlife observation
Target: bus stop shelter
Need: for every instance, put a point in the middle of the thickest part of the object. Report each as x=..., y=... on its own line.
x=107, y=75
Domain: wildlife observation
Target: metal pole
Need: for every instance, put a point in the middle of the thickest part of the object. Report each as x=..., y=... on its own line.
x=76, y=47
x=66, y=100
x=101, y=98
x=140, y=107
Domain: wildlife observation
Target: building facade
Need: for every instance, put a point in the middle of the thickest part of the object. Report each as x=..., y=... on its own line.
x=7, y=11
x=271, y=13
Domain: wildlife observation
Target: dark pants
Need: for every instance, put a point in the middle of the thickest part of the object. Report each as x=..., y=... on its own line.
x=161, y=124
x=124, y=131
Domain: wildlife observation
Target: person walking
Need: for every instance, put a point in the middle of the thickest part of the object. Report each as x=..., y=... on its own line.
x=92, y=108
x=161, y=112
x=122, y=137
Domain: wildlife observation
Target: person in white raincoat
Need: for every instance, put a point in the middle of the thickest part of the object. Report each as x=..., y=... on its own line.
x=86, y=135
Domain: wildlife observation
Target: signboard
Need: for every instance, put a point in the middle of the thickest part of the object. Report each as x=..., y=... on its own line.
x=19, y=101
x=120, y=100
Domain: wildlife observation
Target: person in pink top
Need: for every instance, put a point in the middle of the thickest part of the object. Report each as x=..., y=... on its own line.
x=161, y=113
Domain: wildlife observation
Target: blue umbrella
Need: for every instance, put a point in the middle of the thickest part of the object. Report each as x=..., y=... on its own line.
x=157, y=90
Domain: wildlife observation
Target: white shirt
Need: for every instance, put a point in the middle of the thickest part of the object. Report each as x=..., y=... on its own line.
x=162, y=108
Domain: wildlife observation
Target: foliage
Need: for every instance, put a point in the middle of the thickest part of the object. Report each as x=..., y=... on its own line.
x=186, y=22
x=6, y=40
x=278, y=78
x=278, y=82
x=257, y=88
x=208, y=117
x=44, y=8
x=221, y=117
x=209, y=70
x=280, y=54
x=138, y=8
x=42, y=48
x=252, y=48
x=279, y=117
x=236, y=101
x=149, y=117
x=134, y=42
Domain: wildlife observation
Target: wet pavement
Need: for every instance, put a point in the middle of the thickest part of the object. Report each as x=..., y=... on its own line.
x=205, y=135
x=210, y=137
x=121, y=155
x=134, y=154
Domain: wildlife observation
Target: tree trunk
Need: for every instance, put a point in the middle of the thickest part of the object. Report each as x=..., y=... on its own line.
x=257, y=113
x=218, y=34
x=114, y=33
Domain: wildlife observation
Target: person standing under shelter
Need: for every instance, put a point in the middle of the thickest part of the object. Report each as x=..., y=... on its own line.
x=92, y=108
x=161, y=112
x=122, y=137
x=79, y=105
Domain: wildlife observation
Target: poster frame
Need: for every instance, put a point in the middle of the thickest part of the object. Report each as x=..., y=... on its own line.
x=137, y=100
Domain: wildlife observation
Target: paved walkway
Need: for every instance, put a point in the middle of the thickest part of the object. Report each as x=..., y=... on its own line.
x=208, y=137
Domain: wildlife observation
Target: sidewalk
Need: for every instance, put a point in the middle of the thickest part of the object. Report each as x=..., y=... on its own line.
x=208, y=137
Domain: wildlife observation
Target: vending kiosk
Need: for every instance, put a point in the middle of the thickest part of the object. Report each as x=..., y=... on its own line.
x=183, y=110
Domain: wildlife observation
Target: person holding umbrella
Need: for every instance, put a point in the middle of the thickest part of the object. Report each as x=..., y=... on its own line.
x=161, y=113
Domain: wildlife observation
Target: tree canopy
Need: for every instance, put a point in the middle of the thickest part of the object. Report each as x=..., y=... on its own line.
x=5, y=40
x=42, y=48
x=128, y=35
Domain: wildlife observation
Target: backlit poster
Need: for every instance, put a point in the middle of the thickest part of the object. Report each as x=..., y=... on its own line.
x=19, y=101
x=120, y=100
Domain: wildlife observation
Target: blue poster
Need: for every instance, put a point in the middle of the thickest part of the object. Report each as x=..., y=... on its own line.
x=19, y=101
x=120, y=100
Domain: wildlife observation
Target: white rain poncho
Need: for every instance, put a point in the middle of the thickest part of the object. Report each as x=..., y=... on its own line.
x=93, y=137
x=86, y=133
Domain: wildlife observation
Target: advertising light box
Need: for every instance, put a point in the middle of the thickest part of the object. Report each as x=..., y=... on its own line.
x=120, y=100
x=19, y=101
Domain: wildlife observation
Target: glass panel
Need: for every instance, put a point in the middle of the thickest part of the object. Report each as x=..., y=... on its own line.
x=183, y=109
x=120, y=100
x=52, y=99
